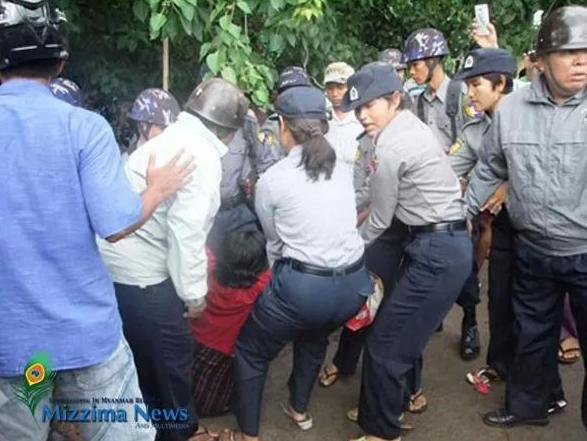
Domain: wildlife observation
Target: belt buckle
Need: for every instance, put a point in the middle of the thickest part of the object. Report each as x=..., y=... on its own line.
x=339, y=272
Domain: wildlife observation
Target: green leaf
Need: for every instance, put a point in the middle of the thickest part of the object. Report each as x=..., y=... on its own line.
x=225, y=22
x=157, y=22
x=140, y=10
x=186, y=25
x=204, y=50
x=153, y=4
x=172, y=27
x=276, y=43
x=277, y=4
x=291, y=38
x=192, y=2
x=198, y=30
x=234, y=30
x=261, y=96
x=229, y=74
x=187, y=10
x=213, y=62
x=244, y=6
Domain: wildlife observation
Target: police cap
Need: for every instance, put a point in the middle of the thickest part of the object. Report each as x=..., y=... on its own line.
x=301, y=102
x=372, y=81
x=482, y=61
x=292, y=76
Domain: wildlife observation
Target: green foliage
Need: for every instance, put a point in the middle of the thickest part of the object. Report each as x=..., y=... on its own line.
x=116, y=44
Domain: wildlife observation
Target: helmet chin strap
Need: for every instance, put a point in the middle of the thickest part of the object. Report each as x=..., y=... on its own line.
x=144, y=130
x=431, y=64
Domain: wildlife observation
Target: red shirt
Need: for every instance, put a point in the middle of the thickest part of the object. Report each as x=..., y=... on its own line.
x=225, y=314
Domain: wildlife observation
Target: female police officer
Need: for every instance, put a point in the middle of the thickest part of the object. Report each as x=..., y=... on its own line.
x=415, y=184
x=306, y=206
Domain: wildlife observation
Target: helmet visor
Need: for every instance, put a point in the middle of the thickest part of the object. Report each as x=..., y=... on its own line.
x=19, y=12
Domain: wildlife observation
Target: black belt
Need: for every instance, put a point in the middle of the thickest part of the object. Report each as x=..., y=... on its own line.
x=459, y=225
x=321, y=271
x=229, y=203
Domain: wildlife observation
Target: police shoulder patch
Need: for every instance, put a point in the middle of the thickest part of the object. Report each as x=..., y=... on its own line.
x=456, y=147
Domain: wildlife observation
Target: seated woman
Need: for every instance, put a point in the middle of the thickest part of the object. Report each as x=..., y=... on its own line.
x=306, y=205
x=236, y=279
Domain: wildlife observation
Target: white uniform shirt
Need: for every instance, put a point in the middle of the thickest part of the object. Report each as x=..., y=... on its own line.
x=172, y=242
x=342, y=136
x=313, y=222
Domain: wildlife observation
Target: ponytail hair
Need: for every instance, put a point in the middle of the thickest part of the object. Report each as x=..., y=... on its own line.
x=318, y=156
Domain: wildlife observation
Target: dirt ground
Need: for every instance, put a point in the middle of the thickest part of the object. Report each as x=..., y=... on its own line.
x=454, y=407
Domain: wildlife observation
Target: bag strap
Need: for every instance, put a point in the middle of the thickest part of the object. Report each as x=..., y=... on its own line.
x=453, y=96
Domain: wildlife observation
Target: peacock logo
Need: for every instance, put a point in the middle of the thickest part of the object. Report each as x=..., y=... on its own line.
x=37, y=383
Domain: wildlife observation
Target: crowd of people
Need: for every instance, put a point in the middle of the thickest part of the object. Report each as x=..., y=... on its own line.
x=173, y=272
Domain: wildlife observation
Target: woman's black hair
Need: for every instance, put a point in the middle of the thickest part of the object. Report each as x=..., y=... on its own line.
x=318, y=156
x=241, y=258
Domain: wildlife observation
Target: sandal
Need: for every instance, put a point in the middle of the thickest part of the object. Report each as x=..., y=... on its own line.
x=557, y=406
x=231, y=435
x=486, y=375
x=570, y=354
x=353, y=415
x=304, y=424
x=418, y=402
x=204, y=434
x=364, y=438
x=328, y=378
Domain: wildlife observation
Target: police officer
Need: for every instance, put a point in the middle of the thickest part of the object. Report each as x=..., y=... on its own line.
x=237, y=177
x=536, y=142
x=488, y=73
x=152, y=111
x=68, y=91
x=443, y=107
x=268, y=149
x=306, y=206
x=395, y=58
x=343, y=127
x=415, y=184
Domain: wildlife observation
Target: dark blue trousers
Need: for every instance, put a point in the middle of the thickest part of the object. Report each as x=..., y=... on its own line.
x=295, y=307
x=501, y=315
x=163, y=348
x=435, y=268
x=540, y=285
x=383, y=258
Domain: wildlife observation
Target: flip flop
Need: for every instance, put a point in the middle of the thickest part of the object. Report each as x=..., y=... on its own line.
x=229, y=435
x=364, y=438
x=327, y=379
x=353, y=415
x=414, y=399
x=565, y=358
x=204, y=435
x=305, y=424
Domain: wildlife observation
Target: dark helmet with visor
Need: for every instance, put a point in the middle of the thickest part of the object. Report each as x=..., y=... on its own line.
x=30, y=30
x=563, y=29
x=220, y=102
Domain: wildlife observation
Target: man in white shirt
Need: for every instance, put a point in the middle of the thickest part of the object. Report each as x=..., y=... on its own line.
x=160, y=271
x=343, y=127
